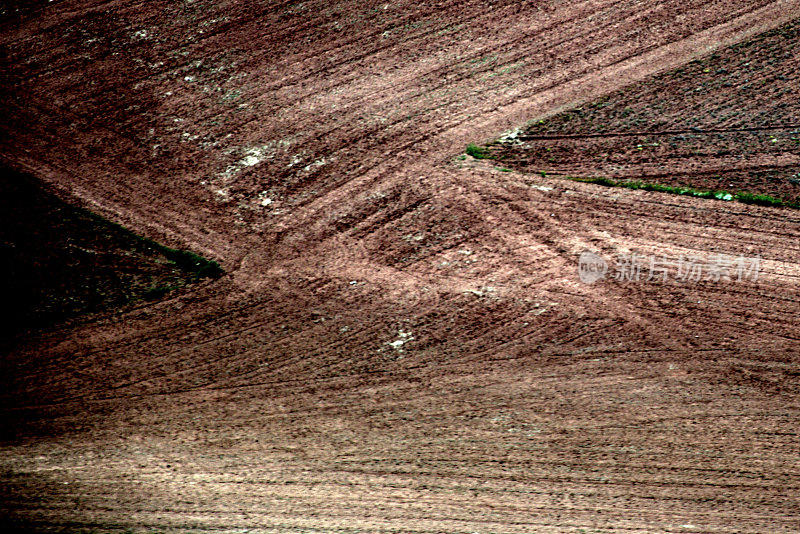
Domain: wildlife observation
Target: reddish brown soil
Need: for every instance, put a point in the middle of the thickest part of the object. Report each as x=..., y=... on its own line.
x=402, y=342
x=730, y=121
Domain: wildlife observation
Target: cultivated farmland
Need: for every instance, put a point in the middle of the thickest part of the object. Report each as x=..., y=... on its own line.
x=401, y=341
x=730, y=121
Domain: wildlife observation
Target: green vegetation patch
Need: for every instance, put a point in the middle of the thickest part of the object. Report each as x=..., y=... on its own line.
x=478, y=152
x=740, y=196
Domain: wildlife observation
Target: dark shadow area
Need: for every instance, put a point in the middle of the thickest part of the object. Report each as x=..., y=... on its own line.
x=15, y=10
x=58, y=261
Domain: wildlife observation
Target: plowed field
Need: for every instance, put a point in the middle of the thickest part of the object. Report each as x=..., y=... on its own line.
x=402, y=342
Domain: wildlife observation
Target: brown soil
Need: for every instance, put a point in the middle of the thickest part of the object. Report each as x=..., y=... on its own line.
x=730, y=121
x=402, y=343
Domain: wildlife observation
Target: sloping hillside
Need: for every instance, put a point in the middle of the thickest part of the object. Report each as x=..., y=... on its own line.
x=403, y=342
x=730, y=121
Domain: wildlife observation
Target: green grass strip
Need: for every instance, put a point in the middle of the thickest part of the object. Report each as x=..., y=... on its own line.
x=740, y=196
x=478, y=152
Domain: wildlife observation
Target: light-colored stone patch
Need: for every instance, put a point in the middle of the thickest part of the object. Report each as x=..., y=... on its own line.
x=403, y=338
x=317, y=163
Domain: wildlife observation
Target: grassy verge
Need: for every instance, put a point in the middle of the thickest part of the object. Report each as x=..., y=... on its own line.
x=739, y=196
x=478, y=152
x=745, y=197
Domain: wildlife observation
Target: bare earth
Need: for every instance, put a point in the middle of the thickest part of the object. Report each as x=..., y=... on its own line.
x=402, y=342
x=726, y=122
